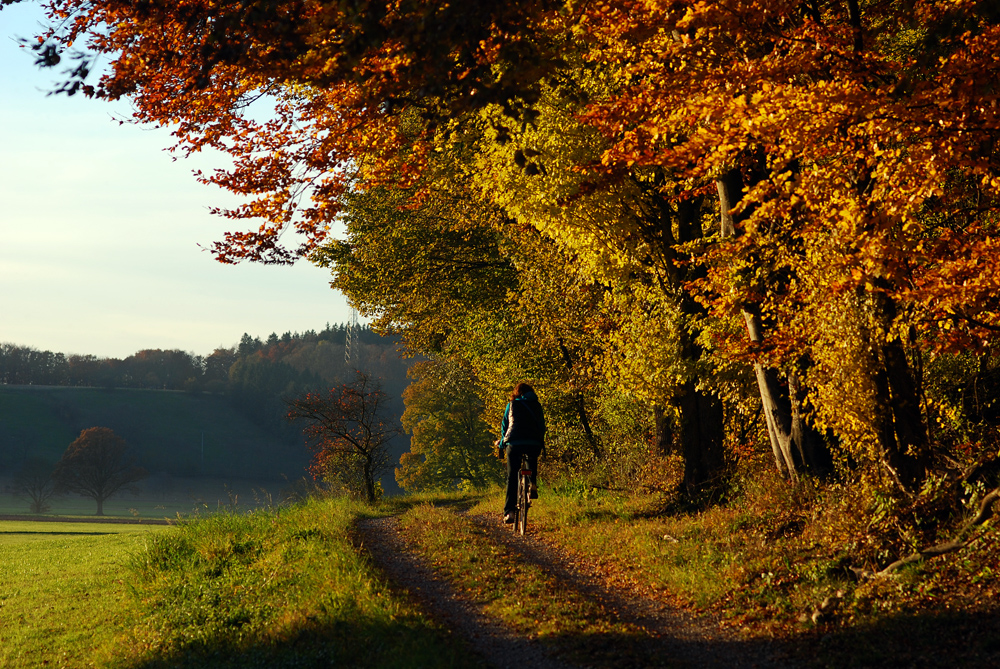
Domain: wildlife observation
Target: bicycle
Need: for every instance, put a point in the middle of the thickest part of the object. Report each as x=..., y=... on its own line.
x=523, y=497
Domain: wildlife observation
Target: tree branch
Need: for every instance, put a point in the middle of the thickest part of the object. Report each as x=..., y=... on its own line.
x=984, y=513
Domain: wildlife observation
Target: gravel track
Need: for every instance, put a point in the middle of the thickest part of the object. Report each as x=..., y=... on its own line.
x=673, y=637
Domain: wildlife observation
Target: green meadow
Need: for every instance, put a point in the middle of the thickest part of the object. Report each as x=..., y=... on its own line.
x=186, y=496
x=275, y=587
x=61, y=589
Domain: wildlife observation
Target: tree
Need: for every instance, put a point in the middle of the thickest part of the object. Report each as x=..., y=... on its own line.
x=34, y=481
x=849, y=150
x=451, y=445
x=97, y=465
x=349, y=430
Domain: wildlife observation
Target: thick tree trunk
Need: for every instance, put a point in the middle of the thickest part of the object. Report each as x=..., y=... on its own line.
x=701, y=438
x=900, y=428
x=100, y=506
x=701, y=430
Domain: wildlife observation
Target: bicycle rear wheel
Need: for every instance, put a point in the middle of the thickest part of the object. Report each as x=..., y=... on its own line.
x=522, y=505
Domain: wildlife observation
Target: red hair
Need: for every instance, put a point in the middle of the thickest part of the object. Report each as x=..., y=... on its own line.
x=520, y=389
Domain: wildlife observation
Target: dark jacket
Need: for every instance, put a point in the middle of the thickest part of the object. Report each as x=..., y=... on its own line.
x=523, y=422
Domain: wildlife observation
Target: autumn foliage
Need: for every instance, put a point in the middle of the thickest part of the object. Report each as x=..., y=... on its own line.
x=97, y=465
x=707, y=228
x=349, y=430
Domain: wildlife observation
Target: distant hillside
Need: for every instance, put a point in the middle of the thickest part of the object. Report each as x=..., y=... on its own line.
x=174, y=434
x=166, y=429
x=167, y=404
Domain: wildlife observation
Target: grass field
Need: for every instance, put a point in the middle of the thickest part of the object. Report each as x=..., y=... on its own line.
x=62, y=590
x=287, y=587
x=184, y=496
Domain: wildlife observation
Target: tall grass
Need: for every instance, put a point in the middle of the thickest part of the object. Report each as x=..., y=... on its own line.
x=282, y=588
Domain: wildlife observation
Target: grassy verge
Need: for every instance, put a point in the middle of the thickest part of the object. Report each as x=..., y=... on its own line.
x=270, y=589
x=61, y=589
x=277, y=588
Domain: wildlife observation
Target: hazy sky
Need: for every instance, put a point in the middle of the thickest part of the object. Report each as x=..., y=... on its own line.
x=99, y=232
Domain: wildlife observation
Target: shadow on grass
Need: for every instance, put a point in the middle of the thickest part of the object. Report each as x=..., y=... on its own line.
x=922, y=641
x=57, y=534
x=401, y=643
x=911, y=641
x=643, y=651
x=460, y=502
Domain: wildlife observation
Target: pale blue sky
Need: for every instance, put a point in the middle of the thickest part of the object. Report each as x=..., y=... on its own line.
x=99, y=232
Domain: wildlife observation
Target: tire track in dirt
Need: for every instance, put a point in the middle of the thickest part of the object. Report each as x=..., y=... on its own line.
x=671, y=634
x=494, y=643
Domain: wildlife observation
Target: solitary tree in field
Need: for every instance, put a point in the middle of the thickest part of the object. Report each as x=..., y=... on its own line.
x=34, y=481
x=96, y=465
x=350, y=431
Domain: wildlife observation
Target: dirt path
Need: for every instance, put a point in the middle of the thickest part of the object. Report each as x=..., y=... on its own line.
x=672, y=637
x=671, y=633
x=497, y=645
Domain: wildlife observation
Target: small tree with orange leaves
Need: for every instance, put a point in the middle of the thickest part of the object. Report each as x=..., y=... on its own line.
x=97, y=465
x=349, y=430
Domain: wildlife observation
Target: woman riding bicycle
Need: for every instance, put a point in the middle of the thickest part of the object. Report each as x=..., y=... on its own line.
x=522, y=432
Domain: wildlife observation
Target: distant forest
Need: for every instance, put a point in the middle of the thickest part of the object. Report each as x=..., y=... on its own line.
x=254, y=378
x=313, y=357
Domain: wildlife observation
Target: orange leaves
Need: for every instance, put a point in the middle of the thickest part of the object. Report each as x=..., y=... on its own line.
x=343, y=79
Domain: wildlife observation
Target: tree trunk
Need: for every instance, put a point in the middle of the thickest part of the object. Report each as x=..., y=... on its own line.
x=701, y=428
x=701, y=437
x=369, y=483
x=663, y=436
x=812, y=447
x=900, y=428
x=578, y=401
x=777, y=408
x=795, y=444
x=902, y=435
x=100, y=506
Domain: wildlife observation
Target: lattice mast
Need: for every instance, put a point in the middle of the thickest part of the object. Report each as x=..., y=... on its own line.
x=351, y=337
